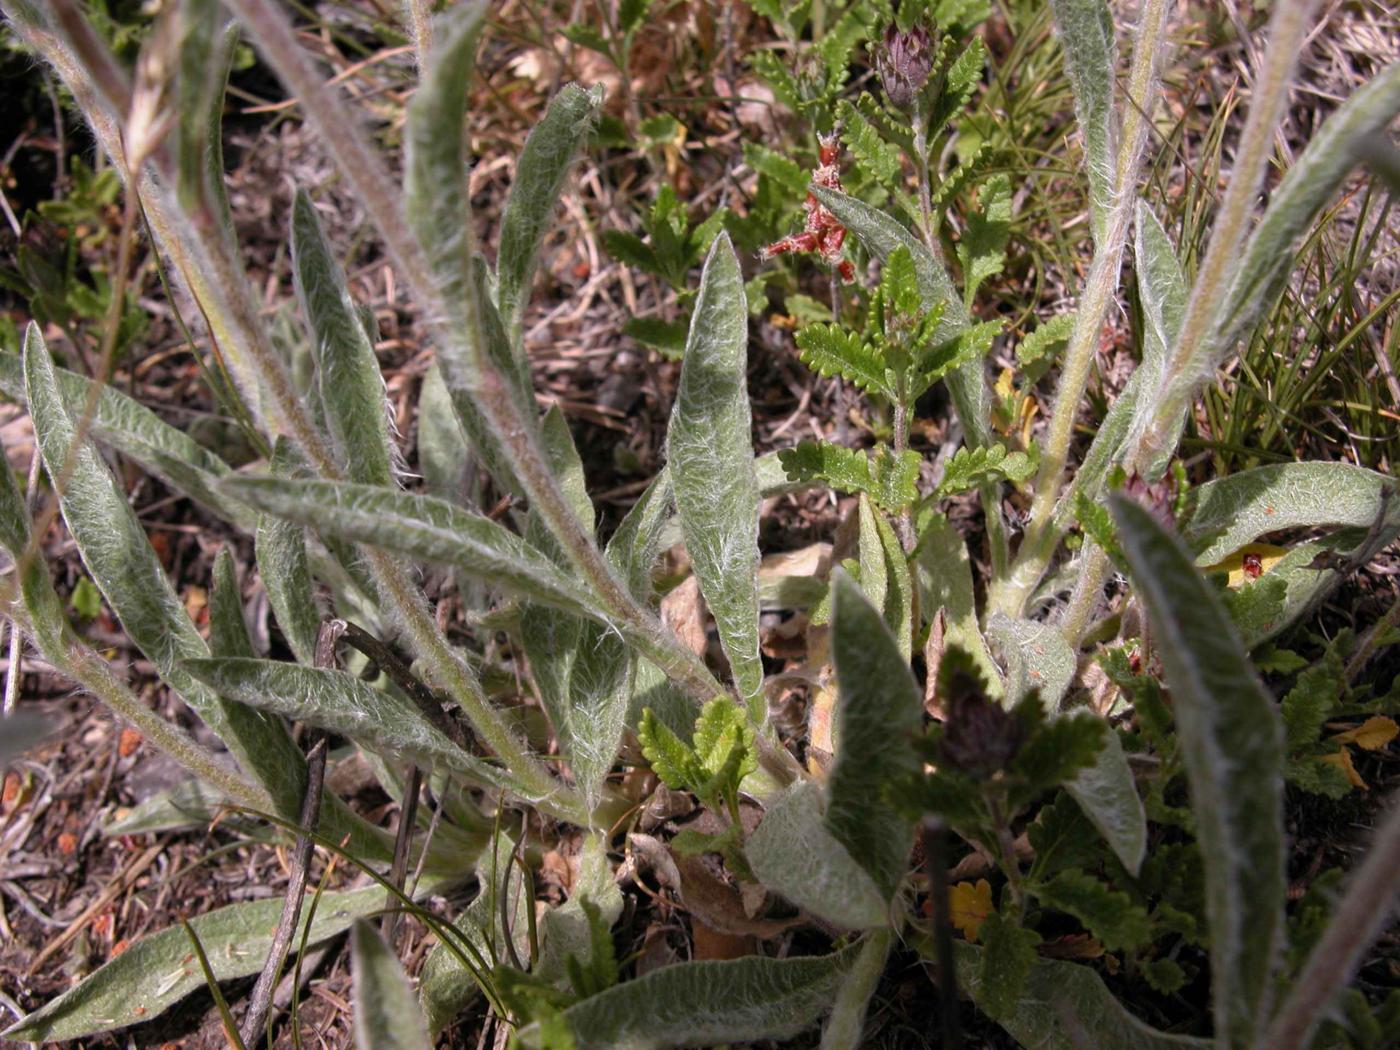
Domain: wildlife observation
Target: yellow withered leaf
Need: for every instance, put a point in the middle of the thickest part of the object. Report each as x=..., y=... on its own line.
x=970, y=904
x=1342, y=760
x=1372, y=734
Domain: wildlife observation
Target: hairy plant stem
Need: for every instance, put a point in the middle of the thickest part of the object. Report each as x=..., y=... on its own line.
x=921, y=166
x=1088, y=589
x=1099, y=295
x=1192, y=358
x=1364, y=912
x=273, y=34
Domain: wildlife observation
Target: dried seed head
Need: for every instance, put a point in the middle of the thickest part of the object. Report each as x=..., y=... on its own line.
x=904, y=61
x=980, y=737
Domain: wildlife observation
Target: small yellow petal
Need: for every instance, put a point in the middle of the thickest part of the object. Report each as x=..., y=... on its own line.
x=1372, y=734
x=1342, y=760
x=970, y=904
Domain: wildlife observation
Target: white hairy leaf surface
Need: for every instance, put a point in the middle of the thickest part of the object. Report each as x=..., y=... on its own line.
x=1091, y=60
x=710, y=457
x=1232, y=742
x=386, y=1014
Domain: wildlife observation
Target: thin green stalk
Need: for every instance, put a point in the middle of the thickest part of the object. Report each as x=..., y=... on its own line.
x=1191, y=361
x=1100, y=293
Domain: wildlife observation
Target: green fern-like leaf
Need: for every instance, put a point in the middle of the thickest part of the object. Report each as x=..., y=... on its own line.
x=879, y=158
x=971, y=344
x=982, y=250
x=890, y=480
x=1046, y=340
x=969, y=467
x=964, y=75
x=670, y=759
x=830, y=350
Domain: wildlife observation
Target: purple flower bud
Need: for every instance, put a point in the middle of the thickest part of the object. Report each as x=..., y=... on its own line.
x=904, y=63
x=980, y=737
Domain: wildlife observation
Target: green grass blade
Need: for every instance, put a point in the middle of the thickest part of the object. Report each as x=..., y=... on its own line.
x=386, y=1015
x=710, y=457
x=539, y=174
x=1232, y=742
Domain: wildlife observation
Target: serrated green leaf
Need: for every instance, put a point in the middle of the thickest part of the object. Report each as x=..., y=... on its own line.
x=670, y=758
x=724, y=742
x=879, y=159
x=122, y=563
x=347, y=372
x=386, y=1015
x=890, y=480
x=1232, y=744
x=1225, y=514
x=878, y=712
x=881, y=235
x=784, y=171
x=157, y=971
x=1065, y=1006
x=1110, y=915
x=793, y=853
x=1048, y=339
x=1307, y=706
x=534, y=192
x=710, y=457
x=831, y=350
x=706, y=1003
x=970, y=467
x=568, y=930
x=963, y=76
x=982, y=250
x=1091, y=59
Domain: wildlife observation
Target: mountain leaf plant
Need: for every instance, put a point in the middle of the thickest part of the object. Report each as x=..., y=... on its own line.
x=1115, y=769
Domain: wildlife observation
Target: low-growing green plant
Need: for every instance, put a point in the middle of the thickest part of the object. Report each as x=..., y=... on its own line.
x=925, y=705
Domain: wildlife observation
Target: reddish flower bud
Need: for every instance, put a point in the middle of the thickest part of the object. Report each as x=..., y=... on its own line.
x=904, y=62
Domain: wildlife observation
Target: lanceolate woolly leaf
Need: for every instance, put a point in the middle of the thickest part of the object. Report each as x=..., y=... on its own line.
x=706, y=1003
x=1091, y=57
x=845, y=1029
x=386, y=1015
x=135, y=431
x=157, y=971
x=635, y=545
x=1107, y=793
x=347, y=372
x=878, y=712
x=1227, y=513
x=339, y=702
x=280, y=550
x=792, y=853
x=945, y=582
x=228, y=630
x=420, y=526
x=1036, y=656
x=117, y=553
x=881, y=235
x=710, y=457
x=1162, y=291
x=534, y=192
x=1065, y=1006
x=1232, y=743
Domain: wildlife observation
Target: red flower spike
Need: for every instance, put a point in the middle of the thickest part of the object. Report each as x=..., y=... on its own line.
x=822, y=233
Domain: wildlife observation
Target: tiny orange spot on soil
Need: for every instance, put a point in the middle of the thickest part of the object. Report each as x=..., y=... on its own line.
x=120, y=947
x=128, y=743
x=67, y=843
